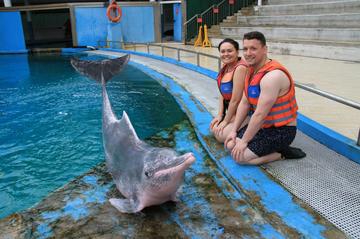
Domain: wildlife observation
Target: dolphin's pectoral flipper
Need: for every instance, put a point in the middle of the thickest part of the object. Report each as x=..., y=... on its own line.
x=125, y=205
x=175, y=197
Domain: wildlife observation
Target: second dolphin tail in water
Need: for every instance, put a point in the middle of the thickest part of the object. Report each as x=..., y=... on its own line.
x=98, y=69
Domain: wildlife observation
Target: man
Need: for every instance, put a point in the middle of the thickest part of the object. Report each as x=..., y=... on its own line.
x=269, y=100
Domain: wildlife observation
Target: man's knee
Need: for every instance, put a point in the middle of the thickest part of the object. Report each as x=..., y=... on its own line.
x=230, y=145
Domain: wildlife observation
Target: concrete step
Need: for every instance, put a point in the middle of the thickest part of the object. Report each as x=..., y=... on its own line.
x=214, y=30
x=310, y=8
x=230, y=19
x=348, y=35
x=246, y=11
x=326, y=50
x=279, y=2
x=348, y=20
x=214, y=27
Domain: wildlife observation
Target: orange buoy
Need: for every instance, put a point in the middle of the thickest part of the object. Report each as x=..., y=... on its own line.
x=116, y=8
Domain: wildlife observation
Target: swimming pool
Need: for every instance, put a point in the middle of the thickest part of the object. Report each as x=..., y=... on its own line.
x=80, y=208
x=50, y=120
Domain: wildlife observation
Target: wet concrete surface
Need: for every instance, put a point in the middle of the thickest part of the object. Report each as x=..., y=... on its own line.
x=209, y=206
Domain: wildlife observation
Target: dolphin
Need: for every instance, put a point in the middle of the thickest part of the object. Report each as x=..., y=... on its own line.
x=144, y=175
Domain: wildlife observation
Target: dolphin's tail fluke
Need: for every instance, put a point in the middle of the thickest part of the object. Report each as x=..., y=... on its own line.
x=96, y=69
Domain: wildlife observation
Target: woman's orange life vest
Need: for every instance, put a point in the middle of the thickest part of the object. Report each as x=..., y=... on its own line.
x=225, y=79
x=285, y=108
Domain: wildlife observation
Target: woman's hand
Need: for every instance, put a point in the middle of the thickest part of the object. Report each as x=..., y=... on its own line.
x=215, y=122
x=220, y=128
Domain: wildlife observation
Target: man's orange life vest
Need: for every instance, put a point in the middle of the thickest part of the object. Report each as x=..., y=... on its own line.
x=225, y=80
x=285, y=108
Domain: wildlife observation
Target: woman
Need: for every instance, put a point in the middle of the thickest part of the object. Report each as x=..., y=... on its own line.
x=231, y=84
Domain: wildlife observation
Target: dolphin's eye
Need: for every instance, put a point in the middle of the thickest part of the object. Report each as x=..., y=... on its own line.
x=148, y=174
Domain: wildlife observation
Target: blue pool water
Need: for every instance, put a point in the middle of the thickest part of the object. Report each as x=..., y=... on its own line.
x=50, y=119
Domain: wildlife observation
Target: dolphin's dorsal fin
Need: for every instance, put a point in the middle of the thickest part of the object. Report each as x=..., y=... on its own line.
x=126, y=125
x=108, y=68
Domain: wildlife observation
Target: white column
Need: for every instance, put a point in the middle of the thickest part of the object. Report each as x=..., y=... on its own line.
x=7, y=3
x=259, y=2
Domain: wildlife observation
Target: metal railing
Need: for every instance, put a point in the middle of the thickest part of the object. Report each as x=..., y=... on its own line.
x=213, y=16
x=138, y=46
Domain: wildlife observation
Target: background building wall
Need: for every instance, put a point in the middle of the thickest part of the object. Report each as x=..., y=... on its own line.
x=12, y=37
x=91, y=25
x=140, y=22
x=136, y=25
x=194, y=7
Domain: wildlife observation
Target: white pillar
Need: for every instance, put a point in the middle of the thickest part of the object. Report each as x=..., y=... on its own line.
x=7, y=3
x=259, y=2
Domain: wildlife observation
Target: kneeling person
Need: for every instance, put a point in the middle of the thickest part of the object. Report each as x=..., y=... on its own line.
x=269, y=101
x=231, y=85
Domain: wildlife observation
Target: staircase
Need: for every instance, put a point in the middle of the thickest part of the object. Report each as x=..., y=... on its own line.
x=315, y=28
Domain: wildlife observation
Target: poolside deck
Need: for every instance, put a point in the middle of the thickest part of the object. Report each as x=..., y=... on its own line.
x=324, y=180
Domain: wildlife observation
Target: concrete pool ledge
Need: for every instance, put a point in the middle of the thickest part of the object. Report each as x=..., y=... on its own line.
x=285, y=212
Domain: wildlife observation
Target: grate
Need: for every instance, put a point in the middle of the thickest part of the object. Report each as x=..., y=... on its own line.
x=326, y=181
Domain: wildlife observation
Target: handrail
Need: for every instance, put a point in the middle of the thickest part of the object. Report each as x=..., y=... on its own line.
x=204, y=12
x=186, y=50
x=220, y=3
x=325, y=94
x=330, y=96
x=197, y=54
x=195, y=16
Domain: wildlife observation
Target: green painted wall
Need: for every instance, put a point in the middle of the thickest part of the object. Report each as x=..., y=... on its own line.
x=198, y=6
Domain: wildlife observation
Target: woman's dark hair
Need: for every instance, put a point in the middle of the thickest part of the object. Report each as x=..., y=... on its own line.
x=231, y=41
x=255, y=35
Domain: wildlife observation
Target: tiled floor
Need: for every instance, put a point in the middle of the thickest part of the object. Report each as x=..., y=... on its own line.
x=340, y=78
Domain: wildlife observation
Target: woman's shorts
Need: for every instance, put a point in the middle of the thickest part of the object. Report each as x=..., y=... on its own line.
x=270, y=140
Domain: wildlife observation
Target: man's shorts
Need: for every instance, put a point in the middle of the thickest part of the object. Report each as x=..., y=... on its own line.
x=270, y=140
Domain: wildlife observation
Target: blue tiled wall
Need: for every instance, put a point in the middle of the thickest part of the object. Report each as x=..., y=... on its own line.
x=11, y=37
